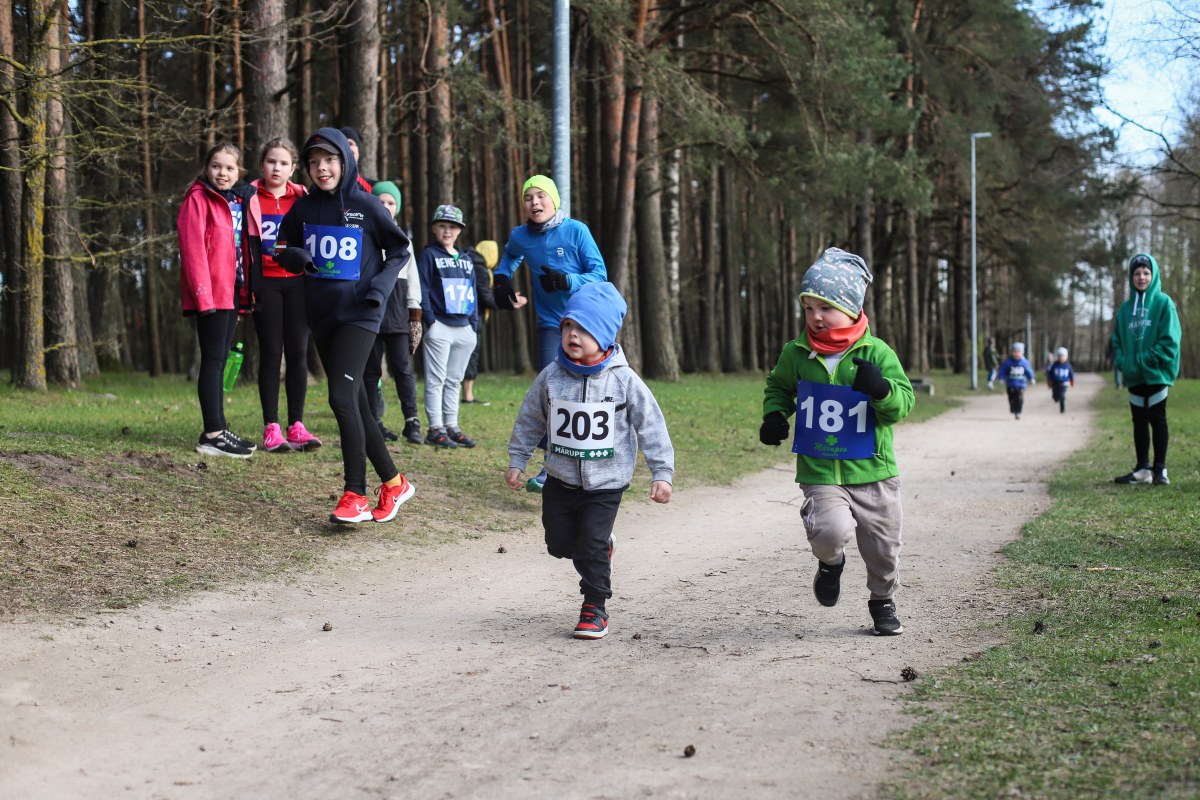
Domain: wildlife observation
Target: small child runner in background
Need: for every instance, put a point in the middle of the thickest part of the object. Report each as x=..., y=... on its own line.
x=596, y=412
x=991, y=361
x=1017, y=373
x=1060, y=375
x=852, y=391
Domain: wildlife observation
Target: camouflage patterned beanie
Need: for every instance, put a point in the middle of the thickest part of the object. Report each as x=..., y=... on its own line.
x=840, y=279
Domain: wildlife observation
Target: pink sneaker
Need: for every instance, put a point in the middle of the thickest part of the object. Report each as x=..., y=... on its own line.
x=273, y=440
x=300, y=439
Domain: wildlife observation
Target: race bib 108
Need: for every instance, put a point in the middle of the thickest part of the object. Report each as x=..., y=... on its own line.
x=459, y=294
x=833, y=422
x=336, y=251
x=582, y=430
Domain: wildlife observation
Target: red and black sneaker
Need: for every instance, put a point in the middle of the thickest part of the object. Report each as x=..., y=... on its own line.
x=593, y=623
x=351, y=508
x=391, y=498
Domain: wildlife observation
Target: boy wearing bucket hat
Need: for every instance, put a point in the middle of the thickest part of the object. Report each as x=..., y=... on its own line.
x=1060, y=375
x=449, y=307
x=1017, y=373
x=562, y=257
x=847, y=389
x=597, y=413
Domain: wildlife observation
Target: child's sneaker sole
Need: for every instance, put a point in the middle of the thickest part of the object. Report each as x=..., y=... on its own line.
x=590, y=634
x=363, y=517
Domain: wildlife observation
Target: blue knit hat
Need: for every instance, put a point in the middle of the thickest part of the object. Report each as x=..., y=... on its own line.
x=599, y=309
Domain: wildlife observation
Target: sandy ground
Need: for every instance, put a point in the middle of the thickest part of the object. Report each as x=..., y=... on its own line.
x=450, y=672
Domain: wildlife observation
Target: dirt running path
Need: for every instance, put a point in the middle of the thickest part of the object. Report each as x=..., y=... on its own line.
x=450, y=672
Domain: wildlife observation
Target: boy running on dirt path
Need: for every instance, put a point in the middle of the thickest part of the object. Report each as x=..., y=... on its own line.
x=1060, y=375
x=852, y=390
x=596, y=412
x=1017, y=373
x=1146, y=350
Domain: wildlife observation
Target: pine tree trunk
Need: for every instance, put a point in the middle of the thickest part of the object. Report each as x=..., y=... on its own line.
x=710, y=354
x=62, y=358
x=267, y=95
x=731, y=343
x=362, y=81
x=754, y=317
x=33, y=210
x=239, y=97
x=912, y=355
x=10, y=201
x=304, y=119
x=612, y=112
x=150, y=264
x=673, y=222
x=441, y=148
x=659, y=359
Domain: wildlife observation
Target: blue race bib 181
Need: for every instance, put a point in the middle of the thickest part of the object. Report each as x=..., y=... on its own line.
x=270, y=231
x=336, y=251
x=833, y=422
x=459, y=294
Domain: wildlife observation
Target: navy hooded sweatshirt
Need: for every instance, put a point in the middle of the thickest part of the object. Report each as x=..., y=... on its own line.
x=332, y=303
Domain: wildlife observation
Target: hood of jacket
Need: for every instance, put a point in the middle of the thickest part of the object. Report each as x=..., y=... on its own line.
x=347, y=186
x=1154, y=289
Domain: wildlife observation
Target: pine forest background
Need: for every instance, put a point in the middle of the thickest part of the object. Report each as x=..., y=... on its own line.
x=718, y=146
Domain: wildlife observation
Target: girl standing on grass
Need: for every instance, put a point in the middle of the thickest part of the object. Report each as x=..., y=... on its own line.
x=337, y=235
x=279, y=317
x=215, y=283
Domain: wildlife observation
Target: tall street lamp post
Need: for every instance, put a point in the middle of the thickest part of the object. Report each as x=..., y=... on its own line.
x=974, y=285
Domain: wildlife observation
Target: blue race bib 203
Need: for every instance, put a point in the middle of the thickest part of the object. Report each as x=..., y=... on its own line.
x=459, y=294
x=336, y=251
x=833, y=422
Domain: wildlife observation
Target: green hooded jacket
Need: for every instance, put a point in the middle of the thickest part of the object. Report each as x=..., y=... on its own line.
x=796, y=364
x=1146, y=335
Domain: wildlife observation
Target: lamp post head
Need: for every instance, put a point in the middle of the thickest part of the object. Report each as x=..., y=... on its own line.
x=981, y=135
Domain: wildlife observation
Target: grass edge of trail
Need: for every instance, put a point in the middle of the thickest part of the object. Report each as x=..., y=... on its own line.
x=1094, y=691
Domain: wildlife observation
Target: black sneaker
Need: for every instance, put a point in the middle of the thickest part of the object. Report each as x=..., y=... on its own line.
x=1140, y=474
x=412, y=431
x=388, y=436
x=593, y=623
x=459, y=438
x=884, y=614
x=246, y=443
x=827, y=585
x=438, y=438
x=1160, y=476
x=222, y=445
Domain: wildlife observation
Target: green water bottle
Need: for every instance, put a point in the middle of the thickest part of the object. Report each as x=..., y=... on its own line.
x=233, y=365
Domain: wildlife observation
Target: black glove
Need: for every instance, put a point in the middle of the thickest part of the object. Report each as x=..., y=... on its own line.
x=295, y=261
x=870, y=381
x=502, y=291
x=774, y=429
x=554, y=281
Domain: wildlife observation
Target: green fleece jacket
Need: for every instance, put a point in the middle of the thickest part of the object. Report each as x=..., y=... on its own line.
x=798, y=362
x=1146, y=336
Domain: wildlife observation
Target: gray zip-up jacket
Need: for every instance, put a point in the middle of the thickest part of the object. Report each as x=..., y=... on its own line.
x=638, y=423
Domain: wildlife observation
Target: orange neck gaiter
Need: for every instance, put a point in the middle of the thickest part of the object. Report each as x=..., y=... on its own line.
x=836, y=340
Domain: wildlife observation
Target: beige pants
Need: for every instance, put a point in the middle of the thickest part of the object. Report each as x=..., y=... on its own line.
x=871, y=512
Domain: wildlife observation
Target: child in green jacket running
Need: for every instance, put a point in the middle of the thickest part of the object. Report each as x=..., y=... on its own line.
x=1146, y=349
x=847, y=389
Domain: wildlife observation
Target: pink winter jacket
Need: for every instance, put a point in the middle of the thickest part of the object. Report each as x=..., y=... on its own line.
x=208, y=273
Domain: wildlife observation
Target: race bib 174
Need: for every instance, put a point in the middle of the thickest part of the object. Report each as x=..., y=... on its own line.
x=459, y=294
x=336, y=251
x=582, y=430
x=833, y=422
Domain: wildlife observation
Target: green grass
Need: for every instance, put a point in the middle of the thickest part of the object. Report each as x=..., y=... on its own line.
x=85, y=473
x=1105, y=702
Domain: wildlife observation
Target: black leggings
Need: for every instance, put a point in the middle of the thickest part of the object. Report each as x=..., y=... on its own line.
x=282, y=329
x=215, y=331
x=578, y=525
x=399, y=365
x=344, y=354
x=1016, y=399
x=1150, y=423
